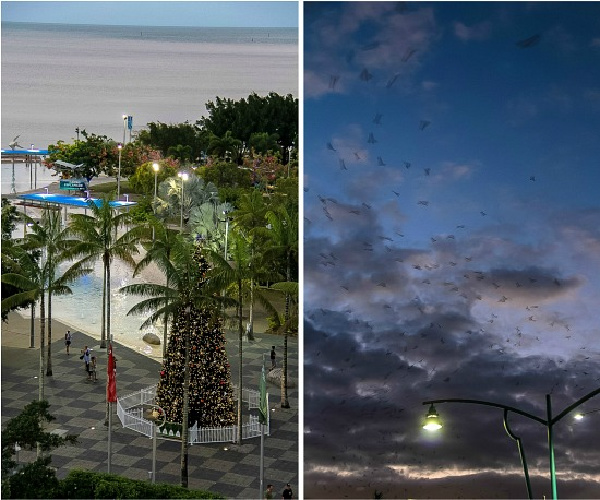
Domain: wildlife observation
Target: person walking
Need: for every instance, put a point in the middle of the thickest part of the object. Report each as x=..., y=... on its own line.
x=287, y=492
x=269, y=492
x=92, y=369
x=272, y=357
x=68, y=339
x=85, y=355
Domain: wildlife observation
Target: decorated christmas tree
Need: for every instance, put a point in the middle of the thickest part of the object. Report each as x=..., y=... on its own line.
x=211, y=395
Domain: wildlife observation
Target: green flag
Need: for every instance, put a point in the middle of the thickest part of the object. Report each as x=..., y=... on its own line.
x=263, y=396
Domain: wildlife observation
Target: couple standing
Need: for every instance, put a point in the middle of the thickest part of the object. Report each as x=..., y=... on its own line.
x=90, y=363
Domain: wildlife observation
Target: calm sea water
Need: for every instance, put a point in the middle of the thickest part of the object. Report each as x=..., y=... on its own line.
x=58, y=77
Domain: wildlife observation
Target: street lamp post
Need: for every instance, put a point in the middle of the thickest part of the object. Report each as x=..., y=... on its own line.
x=549, y=423
x=225, y=213
x=120, y=146
x=124, y=127
x=156, y=412
x=155, y=166
x=184, y=177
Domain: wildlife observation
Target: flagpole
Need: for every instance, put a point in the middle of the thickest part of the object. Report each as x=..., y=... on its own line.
x=109, y=434
x=111, y=396
x=262, y=439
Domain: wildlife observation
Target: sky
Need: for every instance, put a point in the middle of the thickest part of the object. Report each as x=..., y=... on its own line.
x=451, y=246
x=156, y=13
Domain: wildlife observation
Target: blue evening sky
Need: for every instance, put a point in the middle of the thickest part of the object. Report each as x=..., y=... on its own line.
x=158, y=13
x=451, y=240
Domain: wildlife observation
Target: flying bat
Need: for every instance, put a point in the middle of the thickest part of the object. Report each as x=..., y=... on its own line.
x=529, y=42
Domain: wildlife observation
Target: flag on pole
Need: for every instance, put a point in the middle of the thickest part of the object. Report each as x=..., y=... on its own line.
x=111, y=371
x=263, y=396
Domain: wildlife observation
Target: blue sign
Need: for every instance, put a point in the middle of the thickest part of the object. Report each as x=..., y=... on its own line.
x=130, y=122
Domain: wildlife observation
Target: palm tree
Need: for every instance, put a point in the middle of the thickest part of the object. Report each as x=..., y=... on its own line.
x=249, y=217
x=32, y=279
x=159, y=251
x=48, y=246
x=98, y=238
x=179, y=296
x=231, y=274
x=284, y=236
x=52, y=237
x=226, y=144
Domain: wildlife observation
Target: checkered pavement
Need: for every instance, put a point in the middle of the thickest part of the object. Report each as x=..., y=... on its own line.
x=80, y=405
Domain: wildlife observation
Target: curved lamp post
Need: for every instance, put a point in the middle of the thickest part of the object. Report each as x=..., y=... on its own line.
x=433, y=418
x=581, y=416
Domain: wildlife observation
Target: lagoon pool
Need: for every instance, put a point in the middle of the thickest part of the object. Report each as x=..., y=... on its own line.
x=73, y=201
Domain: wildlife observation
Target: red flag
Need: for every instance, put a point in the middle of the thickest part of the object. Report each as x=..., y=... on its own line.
x=111, y=370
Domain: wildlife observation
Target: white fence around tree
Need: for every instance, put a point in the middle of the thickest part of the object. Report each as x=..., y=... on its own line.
x=131, y=414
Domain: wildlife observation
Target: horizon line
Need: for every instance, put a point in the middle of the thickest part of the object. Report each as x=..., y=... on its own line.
x=148, y=25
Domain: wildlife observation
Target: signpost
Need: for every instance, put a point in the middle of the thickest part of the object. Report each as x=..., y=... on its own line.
x=73, y=185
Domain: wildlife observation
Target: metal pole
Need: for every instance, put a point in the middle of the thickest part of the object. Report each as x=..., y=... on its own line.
x=12, y=186
x=226, y=233
x=109, y=435
x=551, y=447
x=521, y=453
x=155, y=167
x=262, y=448
x=119, y=172
x=124, y=126
x=262, y=460
x=155, y=187
x=153, y=452
x=181, y=227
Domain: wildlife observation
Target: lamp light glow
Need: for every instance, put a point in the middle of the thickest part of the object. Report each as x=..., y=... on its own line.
x=432, y=422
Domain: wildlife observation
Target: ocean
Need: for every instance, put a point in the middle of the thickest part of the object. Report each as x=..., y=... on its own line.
x=56, y=77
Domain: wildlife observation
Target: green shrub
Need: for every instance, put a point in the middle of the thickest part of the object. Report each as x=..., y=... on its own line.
x=35, y=480
x=89, y=484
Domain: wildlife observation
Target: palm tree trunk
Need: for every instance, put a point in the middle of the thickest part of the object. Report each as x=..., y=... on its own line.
x=42, y=342
x=185, y=431
x=284, y=385
x=251, y=314
x=240, y=339
x=103, y=325
x=41, y=395
x=49, y=361
x=165, y=329
x=32, y=337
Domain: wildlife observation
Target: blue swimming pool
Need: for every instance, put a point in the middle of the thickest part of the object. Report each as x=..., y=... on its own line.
x=65, y=200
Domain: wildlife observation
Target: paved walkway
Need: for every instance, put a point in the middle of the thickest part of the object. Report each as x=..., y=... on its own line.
x=79, y=407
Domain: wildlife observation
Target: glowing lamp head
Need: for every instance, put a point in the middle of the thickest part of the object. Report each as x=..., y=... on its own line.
x=578, y=416
x=119, y=145
x=155, y=167
x=432, y=422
